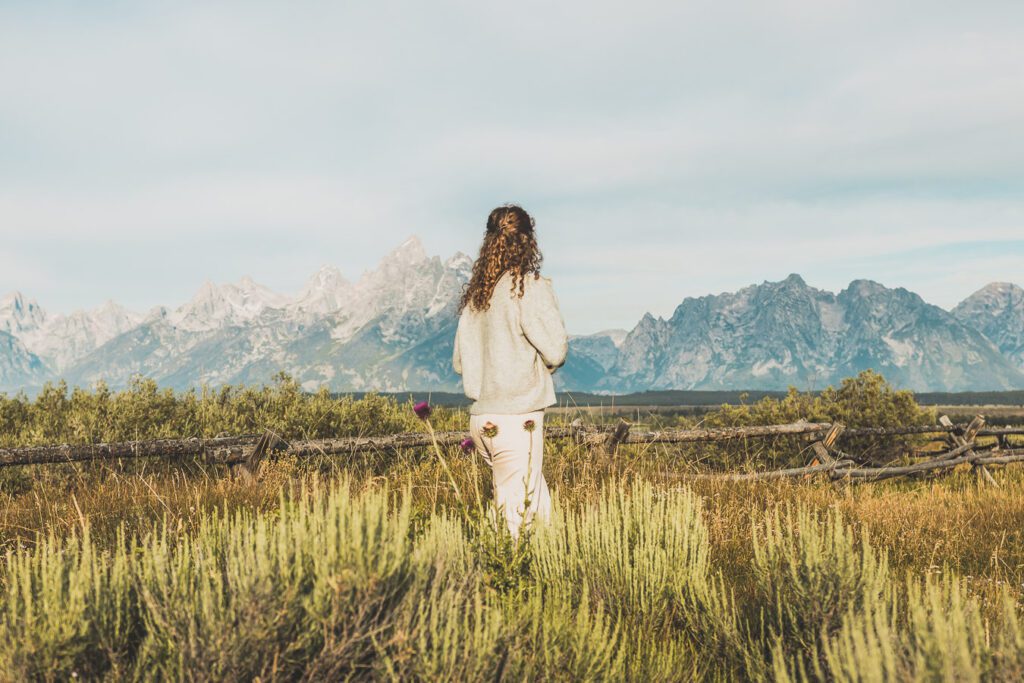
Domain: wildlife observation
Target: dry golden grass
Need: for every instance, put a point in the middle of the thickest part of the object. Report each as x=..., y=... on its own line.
x=951, y=523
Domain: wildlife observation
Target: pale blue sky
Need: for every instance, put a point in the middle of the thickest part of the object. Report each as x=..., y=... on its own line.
x=667, y=149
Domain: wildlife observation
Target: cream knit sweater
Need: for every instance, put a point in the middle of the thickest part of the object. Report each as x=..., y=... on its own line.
x=506, y=354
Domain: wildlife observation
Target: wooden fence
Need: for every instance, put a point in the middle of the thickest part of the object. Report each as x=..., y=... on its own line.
x=822, y=439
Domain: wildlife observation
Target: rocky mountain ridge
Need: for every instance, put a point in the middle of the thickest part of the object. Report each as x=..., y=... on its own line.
x=392, y=329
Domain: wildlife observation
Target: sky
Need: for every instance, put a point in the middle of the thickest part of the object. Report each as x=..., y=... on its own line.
x=665, y=149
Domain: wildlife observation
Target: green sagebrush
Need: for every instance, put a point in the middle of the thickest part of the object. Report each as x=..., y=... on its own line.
x=336, y=584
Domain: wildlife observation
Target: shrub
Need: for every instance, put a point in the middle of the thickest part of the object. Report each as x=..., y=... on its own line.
x=637, y=550
x=866, y=400
x=68, y=611
x=810, y=571
x=928, y=631
x=143, y=411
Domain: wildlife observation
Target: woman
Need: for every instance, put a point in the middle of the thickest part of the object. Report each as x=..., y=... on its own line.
x=510, y=339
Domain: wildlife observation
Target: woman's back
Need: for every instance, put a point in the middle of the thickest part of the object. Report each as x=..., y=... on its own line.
x=506, y=353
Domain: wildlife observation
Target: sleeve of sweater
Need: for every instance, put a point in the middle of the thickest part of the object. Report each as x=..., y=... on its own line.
x=542, y=322
x=457, y=354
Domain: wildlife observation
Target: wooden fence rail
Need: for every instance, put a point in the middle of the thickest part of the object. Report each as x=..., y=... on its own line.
x=249, y=449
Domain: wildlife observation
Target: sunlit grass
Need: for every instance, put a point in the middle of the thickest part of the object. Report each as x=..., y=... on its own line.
x=371, y=567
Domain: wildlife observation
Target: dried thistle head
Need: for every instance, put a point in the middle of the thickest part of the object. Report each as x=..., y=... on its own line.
x=422, y=410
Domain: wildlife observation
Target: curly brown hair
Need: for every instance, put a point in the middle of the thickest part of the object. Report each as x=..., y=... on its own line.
x=510, y=245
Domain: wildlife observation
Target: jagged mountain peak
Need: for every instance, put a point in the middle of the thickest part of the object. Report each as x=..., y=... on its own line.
x=325, y=292
x=216, y=305
x=110, y=306
x=863, y=287
x=20, y=315
x=997, y=310
x=108, y=311
x=327, y=279
x=410, y=251
x=1002, y=287
x=996, y=293
x=246, y=285
x=17, y=301
x=460, y=261
x=649, y=319
x=327, y=275
x=792, y=281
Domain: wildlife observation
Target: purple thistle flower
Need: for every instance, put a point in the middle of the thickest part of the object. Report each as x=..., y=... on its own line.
x=490, y=429
x=468, y=446
x=529, y=425
x=422, y=410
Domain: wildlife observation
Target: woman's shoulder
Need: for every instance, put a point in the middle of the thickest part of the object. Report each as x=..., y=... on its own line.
x=536, y=278
x=538, y=290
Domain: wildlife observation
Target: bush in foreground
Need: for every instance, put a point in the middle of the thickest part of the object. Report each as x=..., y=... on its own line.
x=333, y=584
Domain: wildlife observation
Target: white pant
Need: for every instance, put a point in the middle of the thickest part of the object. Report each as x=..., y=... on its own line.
x=515, y=456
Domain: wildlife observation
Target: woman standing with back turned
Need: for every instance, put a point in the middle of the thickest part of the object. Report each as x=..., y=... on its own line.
x=510, y=339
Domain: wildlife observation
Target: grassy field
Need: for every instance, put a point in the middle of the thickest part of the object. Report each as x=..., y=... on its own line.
x=373, y=568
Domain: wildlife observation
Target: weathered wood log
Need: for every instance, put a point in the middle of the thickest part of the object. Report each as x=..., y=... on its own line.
x=957, y=456
x=770, y=474
x=968, y=437
x=726, y=433
x=1003, y=458
x=241, y=448
x=168, y=448
x=1001, y=431
x=844, y=469
x=362, y=444
x=585, y=435
x=927, y=429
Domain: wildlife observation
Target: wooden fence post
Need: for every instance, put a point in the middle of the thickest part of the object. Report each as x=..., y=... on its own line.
x=821, y=447
x=611, y=443
x=967, y=437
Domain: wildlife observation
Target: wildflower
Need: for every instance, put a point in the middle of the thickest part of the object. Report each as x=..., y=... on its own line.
x=490, y=429
x=422, y=410
x=467, y=446
x=529, y=425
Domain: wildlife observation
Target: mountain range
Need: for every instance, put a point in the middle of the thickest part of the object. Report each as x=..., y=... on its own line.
x=392, y=330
